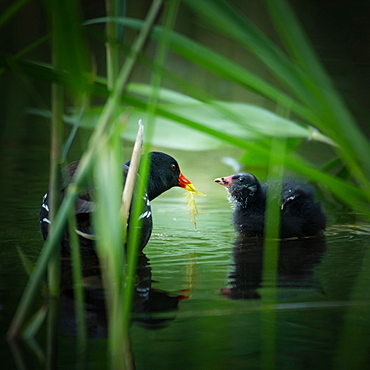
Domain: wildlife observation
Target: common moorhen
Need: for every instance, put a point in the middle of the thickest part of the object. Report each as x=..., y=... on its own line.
x=164, y=173
x=301, y=216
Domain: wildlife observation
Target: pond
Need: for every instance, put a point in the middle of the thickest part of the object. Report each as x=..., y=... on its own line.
x=200, y=297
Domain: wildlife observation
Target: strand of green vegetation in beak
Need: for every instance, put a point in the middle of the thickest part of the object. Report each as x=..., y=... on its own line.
x=192, y=205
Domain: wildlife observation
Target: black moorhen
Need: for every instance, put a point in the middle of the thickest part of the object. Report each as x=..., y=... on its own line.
x=164, y=173
x=301, y=216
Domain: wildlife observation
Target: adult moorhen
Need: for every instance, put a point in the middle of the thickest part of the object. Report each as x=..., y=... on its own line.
x=164, y=173
x=301, y=216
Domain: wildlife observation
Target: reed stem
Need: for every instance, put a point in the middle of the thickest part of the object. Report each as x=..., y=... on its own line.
x=77, y=282
x=54, y=201
x=81, y=173
x=271, y=257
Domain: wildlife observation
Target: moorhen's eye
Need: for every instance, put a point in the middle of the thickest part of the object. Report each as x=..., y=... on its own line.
x=173, y=167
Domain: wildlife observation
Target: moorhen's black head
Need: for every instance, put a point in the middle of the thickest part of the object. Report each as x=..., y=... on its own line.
x=241, y=186
x=164, y=174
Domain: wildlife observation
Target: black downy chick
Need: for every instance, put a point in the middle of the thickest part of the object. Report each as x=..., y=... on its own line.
x=301, y=216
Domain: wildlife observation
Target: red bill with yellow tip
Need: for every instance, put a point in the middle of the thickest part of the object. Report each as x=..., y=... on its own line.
x=187, y=185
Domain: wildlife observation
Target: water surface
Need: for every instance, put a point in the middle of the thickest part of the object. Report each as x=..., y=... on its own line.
x=200, y=295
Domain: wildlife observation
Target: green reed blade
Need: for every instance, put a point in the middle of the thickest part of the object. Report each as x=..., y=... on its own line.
x=11, y=10
x=271, y=257
x=69, y=45
x=336, y=118
x=227, y=20
x=221, y=66
x=134, y=235
x=118, y=334
x=109, y=243
x=77, y=284
x=54, y=272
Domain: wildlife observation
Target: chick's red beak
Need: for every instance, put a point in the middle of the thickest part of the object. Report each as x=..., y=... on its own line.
x=225, y=181
x=185, y=183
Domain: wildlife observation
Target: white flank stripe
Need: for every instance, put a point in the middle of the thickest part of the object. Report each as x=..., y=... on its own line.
x=145, y=214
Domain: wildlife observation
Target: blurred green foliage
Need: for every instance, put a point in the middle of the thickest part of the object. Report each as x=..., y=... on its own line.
x=302, y=104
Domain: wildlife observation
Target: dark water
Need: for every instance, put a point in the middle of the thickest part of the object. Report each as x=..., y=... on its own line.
x=200, y=295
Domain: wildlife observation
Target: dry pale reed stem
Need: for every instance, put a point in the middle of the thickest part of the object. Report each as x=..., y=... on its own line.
x=132, y=173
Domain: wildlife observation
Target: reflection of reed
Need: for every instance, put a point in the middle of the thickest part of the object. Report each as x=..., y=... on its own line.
x=297, y=258
x=147, y=301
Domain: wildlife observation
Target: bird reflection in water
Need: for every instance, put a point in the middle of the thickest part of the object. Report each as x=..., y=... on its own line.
x=297, y=259
x=152, y=308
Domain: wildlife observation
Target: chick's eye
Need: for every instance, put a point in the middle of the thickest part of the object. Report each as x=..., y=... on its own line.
x=241, y=180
